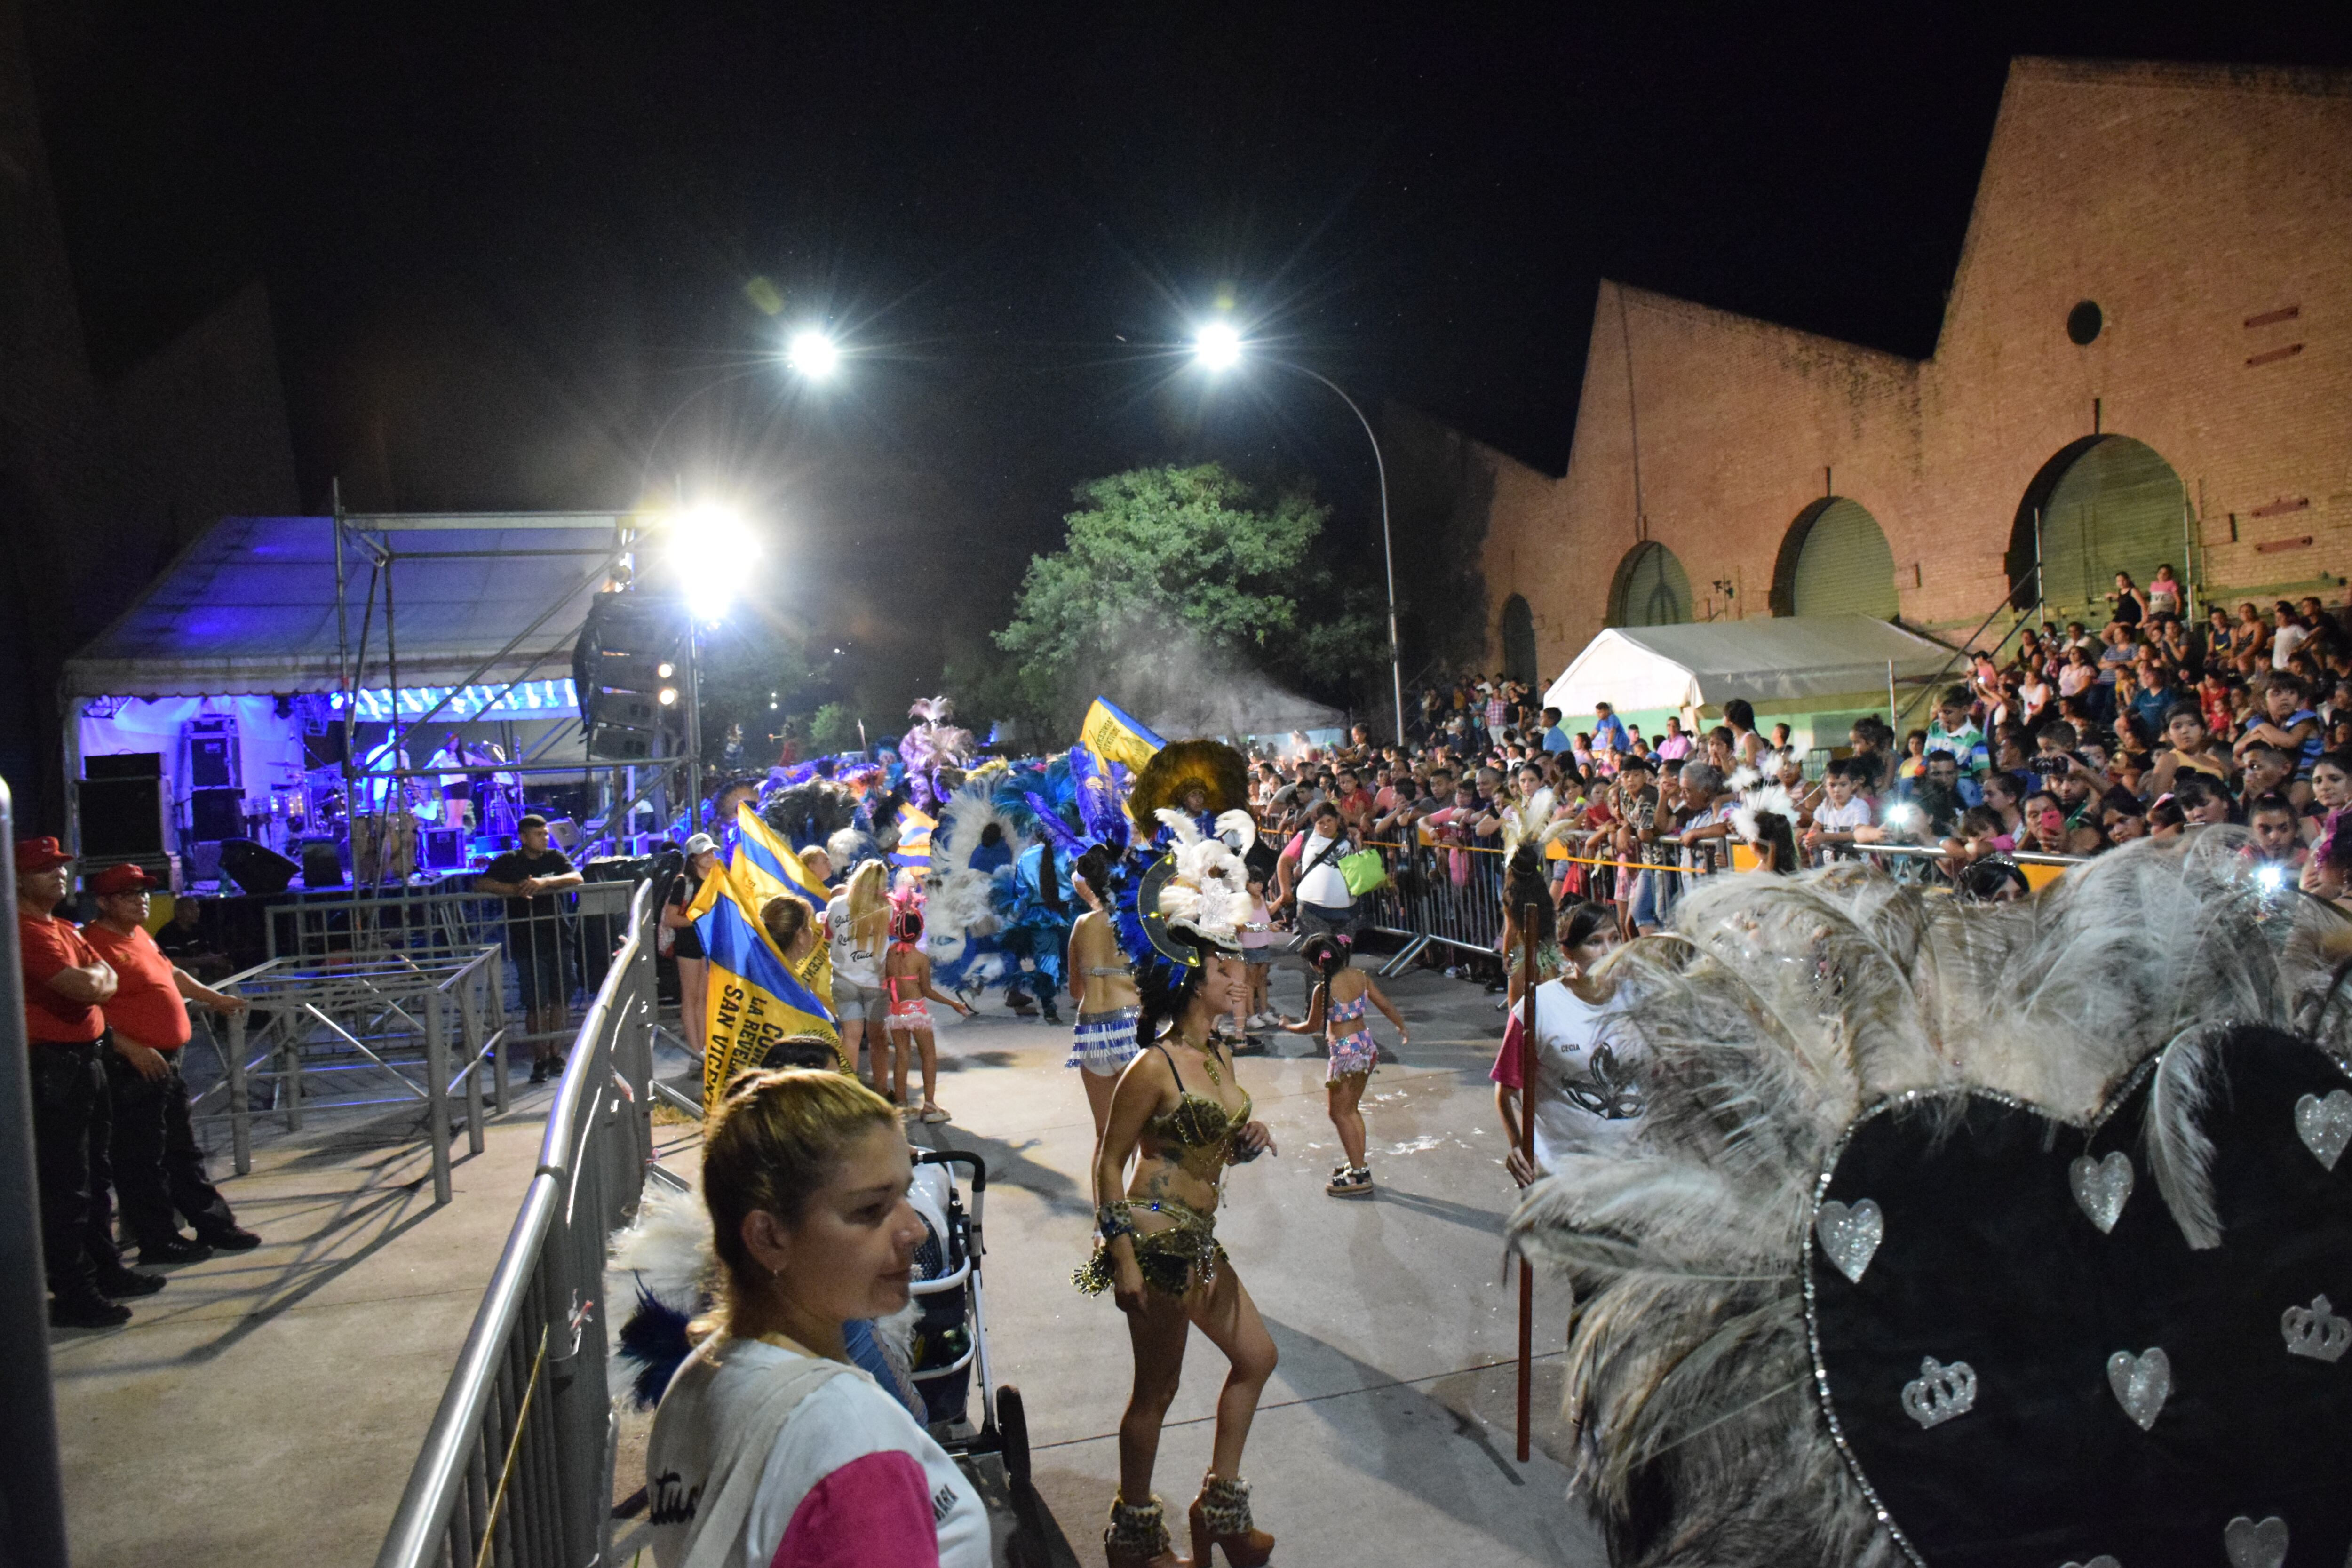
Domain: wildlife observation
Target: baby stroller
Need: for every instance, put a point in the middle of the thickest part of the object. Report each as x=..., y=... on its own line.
x=951, y=1337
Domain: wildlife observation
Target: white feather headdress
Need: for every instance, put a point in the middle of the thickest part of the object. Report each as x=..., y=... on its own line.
x=1207, y=892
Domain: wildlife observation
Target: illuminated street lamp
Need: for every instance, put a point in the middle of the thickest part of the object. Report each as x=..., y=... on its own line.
x=812, y=353
x=1218, y=345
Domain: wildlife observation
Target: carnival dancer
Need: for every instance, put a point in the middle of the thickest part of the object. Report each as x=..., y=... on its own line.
x=1181, y=1107
x=1338, y=1008
x=770, y=1447
x=907, y=977
x=1102, y=987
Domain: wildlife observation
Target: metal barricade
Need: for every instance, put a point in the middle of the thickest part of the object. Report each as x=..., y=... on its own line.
x=516, y=1468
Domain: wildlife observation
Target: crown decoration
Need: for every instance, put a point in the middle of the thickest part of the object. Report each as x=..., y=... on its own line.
x=2316, y=1332
x=1940, y=1393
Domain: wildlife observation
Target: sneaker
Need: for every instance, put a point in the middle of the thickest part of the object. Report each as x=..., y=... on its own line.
x=1051, y=1017
x=118, y=1282
x=90, y=1310
x=173, y=1248
x=932, y=1113
x=1355, y=1184
x=234, y=1238
x=539, y=1070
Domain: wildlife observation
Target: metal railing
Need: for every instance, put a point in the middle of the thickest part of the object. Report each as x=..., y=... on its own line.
x=516, y=1468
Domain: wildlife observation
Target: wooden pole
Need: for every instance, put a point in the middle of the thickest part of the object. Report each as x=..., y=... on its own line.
x=1528, y=1148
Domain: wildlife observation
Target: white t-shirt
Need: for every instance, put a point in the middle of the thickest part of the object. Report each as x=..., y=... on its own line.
x=1568, y=1029
x=1327, y=885
x=845, y=1420
x=2283, y=643
x=859, y=966
x=1854, y=813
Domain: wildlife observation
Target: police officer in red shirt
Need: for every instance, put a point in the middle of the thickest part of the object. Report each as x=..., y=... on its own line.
x=66, y=983
x=159, y=1171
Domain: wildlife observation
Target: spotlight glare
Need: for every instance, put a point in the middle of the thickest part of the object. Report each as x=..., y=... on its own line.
x=1218, y=346
x=812, y=353
x=665, y=669
x=710, y=547
x=668, y=696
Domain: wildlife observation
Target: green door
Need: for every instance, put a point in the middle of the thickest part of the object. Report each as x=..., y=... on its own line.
x=2117, y=508
x=1652, y=590
x=1844, y=565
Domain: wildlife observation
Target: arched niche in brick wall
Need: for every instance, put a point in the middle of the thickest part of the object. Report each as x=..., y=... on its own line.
x=1651, y=588
x=1834, y=561
x=2102, y=505
x=1518, y=640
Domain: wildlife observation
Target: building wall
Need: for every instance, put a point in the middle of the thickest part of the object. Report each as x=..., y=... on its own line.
x=100, y=484
x=2185, y=201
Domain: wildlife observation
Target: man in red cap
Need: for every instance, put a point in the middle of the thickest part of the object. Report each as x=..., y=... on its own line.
x=158, y=1167
x=66, y=983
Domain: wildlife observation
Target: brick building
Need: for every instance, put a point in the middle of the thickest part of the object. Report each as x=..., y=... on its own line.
x=2139, y=365
x=102, y=477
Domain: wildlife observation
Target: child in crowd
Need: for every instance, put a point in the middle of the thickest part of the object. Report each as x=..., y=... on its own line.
x=907, y=976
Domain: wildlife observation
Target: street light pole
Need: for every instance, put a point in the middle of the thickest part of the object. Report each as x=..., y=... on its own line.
x=1388, y=547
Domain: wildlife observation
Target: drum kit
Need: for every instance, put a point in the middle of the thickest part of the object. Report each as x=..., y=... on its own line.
x=383, y=832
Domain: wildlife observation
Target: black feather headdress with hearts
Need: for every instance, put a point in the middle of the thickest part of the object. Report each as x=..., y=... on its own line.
x=1972, y=1234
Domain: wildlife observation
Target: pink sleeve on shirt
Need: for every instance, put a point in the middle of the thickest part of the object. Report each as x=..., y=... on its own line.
x=872, y=1512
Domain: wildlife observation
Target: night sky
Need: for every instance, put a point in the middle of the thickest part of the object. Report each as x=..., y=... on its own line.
x=510, y=248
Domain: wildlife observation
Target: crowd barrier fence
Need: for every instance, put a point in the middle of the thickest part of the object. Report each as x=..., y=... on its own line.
x=516, y=1468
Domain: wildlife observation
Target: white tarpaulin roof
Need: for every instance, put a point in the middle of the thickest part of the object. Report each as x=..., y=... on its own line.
x=250, y=607
x=1785, y=658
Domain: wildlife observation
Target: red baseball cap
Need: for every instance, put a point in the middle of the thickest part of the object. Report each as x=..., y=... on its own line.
x=42, y=853
x=123, y=879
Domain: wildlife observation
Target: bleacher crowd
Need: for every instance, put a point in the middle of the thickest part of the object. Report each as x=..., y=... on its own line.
x=2057, y=743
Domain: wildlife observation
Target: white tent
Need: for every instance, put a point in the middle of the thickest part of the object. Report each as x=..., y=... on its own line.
x=1787, y=659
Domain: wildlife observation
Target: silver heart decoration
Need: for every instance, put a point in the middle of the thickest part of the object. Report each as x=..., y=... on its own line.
x=2142, y=1382
x=1850, y=1237
x=2251, y=1545
x=2101, y=1561
x=2101, y=1186
x=2325, y=1125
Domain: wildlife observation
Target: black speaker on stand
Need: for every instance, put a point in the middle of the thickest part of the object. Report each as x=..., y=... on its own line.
x=254, y=868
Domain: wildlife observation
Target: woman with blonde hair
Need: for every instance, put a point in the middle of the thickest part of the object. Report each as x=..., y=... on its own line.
x=770, y=1447
x=858, y=925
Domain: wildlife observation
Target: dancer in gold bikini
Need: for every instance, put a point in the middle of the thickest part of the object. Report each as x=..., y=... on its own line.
x=1180, y=1108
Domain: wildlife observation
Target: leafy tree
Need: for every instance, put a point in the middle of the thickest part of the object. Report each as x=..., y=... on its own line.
x=834, y=729
x=1171, y=576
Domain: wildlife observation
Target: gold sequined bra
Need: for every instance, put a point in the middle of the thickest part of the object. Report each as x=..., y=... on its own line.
x=1196, y=1124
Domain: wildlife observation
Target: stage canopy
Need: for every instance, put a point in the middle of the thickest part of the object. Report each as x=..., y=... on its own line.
x=250, y=607
x=1785, y=663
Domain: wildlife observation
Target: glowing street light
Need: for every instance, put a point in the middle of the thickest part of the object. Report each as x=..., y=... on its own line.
x=812, y=353
x=709, y=545
x=1218, y=346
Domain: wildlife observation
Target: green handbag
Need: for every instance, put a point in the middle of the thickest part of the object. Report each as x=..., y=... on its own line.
x=1365, y=872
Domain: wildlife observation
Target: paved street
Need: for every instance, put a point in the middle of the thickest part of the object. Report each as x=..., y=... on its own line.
x=1386, y=1435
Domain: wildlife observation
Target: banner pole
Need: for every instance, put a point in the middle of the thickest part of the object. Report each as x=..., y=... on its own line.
x=1528, y=1148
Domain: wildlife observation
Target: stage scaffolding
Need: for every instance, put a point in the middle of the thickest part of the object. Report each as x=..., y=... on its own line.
x=365, y=539
x=356, y=1029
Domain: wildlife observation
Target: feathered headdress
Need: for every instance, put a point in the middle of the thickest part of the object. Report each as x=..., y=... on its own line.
x=1759, y=795
x=1199, y=886
x=1913, y=1171
x=1221, y=773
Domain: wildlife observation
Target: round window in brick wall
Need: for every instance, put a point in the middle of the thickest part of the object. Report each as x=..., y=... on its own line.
x=2083, y=322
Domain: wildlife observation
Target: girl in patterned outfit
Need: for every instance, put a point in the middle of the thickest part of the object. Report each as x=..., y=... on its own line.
x=1338, y=1008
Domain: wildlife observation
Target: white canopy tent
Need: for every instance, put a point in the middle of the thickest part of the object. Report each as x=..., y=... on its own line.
x=1788, y=663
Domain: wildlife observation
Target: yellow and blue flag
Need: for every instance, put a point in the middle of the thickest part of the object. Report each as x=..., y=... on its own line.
x=756, y=997
x=1118, y=737
x=914, y=838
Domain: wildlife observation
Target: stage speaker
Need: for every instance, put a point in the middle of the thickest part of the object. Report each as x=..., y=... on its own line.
x=445, y=849
x=124, y=765
x=122, y=818
x=322, y=748
x=164, y=869
x=217, y=814
x=254, y=868
x=632, y=650
x=322, y=865
x=563, y=833
x=212, y=761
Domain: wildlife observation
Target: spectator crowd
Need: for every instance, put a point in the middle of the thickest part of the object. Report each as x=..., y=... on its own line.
x=2057, y=743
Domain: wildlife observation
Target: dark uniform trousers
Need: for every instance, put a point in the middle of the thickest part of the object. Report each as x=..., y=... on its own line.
x=72, y=1135
x=158, y=1167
